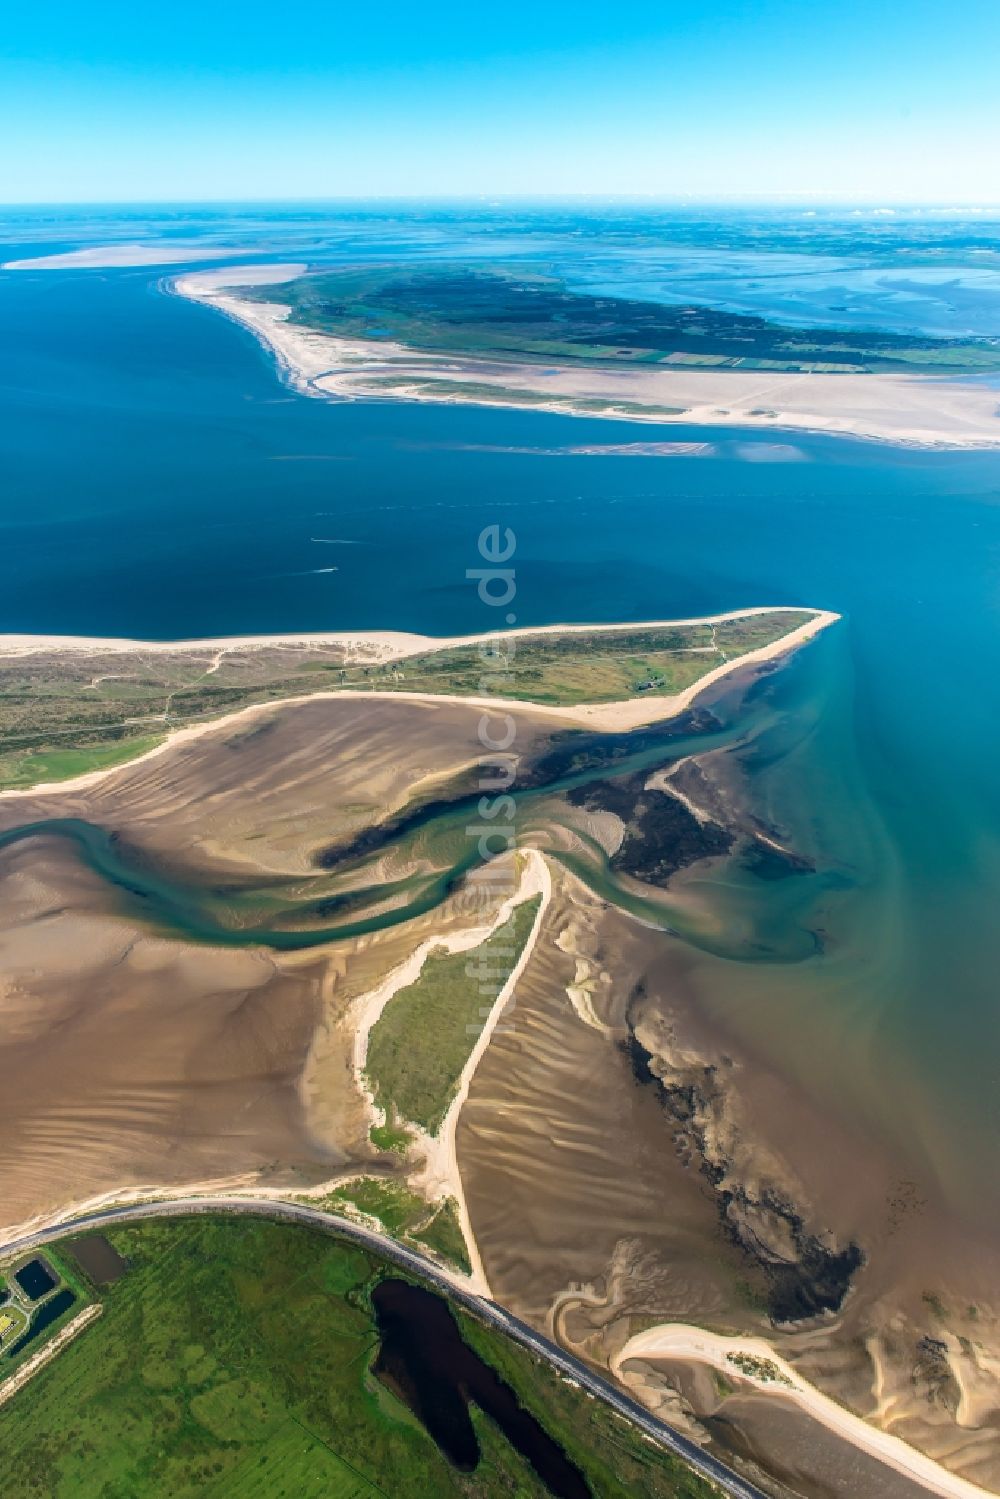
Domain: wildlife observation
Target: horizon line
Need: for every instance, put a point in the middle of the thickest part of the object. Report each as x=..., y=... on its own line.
x=873, y=202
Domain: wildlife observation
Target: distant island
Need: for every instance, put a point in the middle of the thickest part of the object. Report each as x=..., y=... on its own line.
x=490, y=311
x=490, y=336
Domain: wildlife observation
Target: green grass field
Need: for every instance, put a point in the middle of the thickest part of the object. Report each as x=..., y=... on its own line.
x=233, y=1359
x=404, y=1215
x=590, y=667
x=35, y=767
x=443, y=1235
x=422, y=1040
x=390, y=1137
x=62, y=714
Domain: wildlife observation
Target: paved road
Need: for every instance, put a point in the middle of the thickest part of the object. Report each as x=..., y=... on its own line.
x=665, y=1436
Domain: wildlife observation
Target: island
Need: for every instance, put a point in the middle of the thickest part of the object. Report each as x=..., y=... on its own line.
x=489, y=335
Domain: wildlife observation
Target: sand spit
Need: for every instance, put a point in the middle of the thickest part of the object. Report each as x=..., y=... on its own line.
x=440, y=1176
x=754, y=1361
x=370, y=645
x=909, y=410
x=106, y=257
x=437, y=1176
x=380, y=647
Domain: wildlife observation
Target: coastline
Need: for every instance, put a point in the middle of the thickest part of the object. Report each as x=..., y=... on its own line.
x=378, y=645
x=917, y=411
x=385, y=646
x=863, y=1022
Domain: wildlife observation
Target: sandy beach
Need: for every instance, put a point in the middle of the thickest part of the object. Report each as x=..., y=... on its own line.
x=385, y=646
x=909, y=410
x=373, y=645
x=778, y=1379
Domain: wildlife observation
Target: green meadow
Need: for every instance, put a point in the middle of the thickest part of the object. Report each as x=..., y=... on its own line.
x=233, y=1358
x=423, y=1038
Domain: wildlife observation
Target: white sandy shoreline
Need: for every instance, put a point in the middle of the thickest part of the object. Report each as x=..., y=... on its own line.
x=686, y=1343
x=614, y=718
x=917, y=411
x=395, y=644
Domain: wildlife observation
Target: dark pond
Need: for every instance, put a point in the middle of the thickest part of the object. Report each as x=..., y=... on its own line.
x=43, y=1318
x=35, y=1279
x=98, y=1259
x=424, y=1361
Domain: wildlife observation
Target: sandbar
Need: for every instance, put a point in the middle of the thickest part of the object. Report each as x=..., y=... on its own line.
x=680, y=1341
x=106, y=257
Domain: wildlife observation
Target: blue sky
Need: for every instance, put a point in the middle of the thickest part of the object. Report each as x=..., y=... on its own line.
x=893, y=100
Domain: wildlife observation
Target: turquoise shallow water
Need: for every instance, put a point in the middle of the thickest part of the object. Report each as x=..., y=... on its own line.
x=157, y=480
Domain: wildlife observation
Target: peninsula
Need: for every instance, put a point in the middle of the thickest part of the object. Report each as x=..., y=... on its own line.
x=73, y=705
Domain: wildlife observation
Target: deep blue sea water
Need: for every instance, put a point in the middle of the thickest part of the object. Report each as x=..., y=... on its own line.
x=157, y=480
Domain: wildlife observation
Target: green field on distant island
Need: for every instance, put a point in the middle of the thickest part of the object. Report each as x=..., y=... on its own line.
x=66, y=712
x=532, y=315
x=242, y=1357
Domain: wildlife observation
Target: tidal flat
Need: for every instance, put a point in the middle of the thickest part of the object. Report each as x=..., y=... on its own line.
x=626, y=1155
x=163, y=484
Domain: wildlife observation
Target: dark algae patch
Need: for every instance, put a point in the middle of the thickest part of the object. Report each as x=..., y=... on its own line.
x=801, y=1273
x=661, y=835
x=424, y=1360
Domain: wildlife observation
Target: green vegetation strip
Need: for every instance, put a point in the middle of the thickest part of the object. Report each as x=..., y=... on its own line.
x=233, y=1358
x=594, y=667
x=34, y=768
x=404, y=1215
x=490, y=311
x=443, y=1236
x=424, y=1036
x=65, y=713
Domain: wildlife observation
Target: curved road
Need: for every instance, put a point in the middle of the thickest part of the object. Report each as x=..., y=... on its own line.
x=702, y=1462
